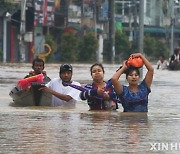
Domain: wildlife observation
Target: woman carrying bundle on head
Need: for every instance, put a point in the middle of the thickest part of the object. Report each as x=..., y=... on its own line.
x=134, y=97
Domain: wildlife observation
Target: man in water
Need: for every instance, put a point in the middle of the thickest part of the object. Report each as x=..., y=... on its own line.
x=63, y=95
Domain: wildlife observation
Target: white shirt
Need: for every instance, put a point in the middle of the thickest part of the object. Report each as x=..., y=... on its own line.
x=163, y=65
x=176, y=57
x=56, y=85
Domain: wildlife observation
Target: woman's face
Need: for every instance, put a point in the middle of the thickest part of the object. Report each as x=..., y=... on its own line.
x=97, y=73
x=133, y=78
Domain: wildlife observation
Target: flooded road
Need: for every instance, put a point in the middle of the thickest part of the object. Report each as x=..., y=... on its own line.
x=48, y=130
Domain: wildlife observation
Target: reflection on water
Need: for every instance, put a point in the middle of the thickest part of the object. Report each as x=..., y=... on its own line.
x=46, y=130
x=68, y=132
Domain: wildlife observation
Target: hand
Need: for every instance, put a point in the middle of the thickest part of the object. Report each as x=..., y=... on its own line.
x=124, y=64
x=44, y=73
x=31, y=73
x=45, y=89
x=100, y=91
x=134, y=55
x=106, y=96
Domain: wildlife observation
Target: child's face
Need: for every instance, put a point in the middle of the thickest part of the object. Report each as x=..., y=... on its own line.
x=38, y=67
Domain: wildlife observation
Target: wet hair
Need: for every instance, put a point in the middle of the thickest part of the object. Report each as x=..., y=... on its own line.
x=130, y=69
x=97, y=64
x=37, y=60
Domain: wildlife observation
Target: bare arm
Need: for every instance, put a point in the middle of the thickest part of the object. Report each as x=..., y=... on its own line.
x=149, y=75
x=115, y=79
x=59, y=95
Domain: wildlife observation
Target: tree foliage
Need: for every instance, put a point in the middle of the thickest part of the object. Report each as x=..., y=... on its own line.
x=122, y=45
x=154, y=47
x=88, y=47
x=8, y=4
x=68, y=47
x=51, y=41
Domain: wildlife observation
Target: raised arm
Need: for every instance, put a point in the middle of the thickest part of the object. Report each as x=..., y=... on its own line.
x=115, y=79
x=149, y=75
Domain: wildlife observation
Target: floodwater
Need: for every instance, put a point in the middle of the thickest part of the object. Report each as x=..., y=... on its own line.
x=56, y=130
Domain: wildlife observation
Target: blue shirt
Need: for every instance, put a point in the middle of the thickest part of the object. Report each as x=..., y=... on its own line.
x=135, y=102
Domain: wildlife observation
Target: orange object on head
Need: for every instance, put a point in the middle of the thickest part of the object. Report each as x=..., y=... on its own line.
x=25, y=83
x=136, y=62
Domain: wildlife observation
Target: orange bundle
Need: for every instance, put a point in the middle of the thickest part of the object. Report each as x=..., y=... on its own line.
x=136, y=62
x=25, y=83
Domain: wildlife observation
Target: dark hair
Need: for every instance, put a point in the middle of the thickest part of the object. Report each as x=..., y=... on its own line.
x=65, y=67
x=97, y=64
x=161, y=55
x=130, y=69
x=176, y=50
x=37, y=60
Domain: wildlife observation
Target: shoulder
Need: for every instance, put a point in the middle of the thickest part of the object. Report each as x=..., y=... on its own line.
x=166, y=62
x=158, y=62
x=172, y=56
x=144, y=86
x=76, y=83
x=143, y=83
x=109, y=82
x=54, y=81
x=89, y=86
x=27, y=76
x=125, y=89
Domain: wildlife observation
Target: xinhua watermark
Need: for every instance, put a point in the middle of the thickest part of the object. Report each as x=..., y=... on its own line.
x=165, y=146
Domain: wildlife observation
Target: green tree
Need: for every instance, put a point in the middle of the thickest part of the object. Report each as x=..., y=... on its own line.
x=49, y=39
x=154, y=47
x=88, y=47
x=68, y=47
x=122, y=45
x=8, y=4
x=149, y=45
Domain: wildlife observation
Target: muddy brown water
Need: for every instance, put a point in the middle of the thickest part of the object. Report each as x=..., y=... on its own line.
x=54, y=130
